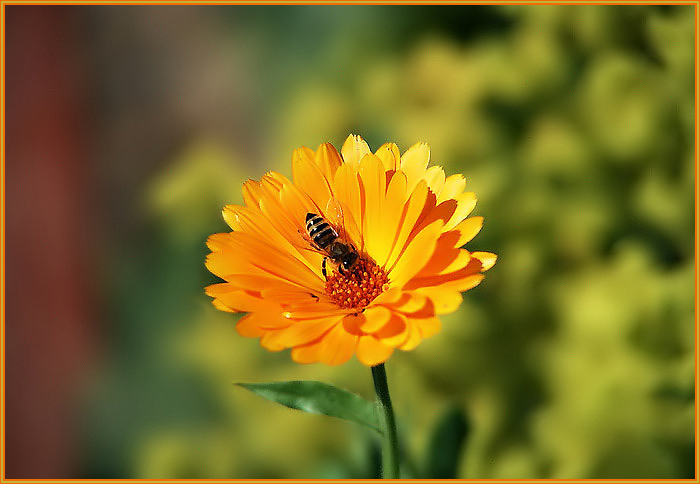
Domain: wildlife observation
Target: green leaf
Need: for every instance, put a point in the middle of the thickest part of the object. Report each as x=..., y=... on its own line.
x=318, y=397
x=446, y=443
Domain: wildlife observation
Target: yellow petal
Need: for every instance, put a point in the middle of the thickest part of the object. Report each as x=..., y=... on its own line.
x=409, y=302
x=390, y=155
x=435, y=178
x=353, y=150
x=388, y=228
x=413, y=337
x=454, y=185
x=416, y=255
x=407, y=220
x=346, y=187
x=371, y=351
x=465, y=204
x=487, y=259
x=445, y=301
x=468, y=229
x=428, y=326
x=305, y=153
x=373, y=180
x=388, y=297
x=414, y=162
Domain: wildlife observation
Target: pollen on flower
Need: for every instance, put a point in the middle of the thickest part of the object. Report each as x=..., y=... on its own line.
x=357, y=287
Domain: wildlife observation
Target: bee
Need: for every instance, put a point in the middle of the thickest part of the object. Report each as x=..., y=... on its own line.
x=327, y=240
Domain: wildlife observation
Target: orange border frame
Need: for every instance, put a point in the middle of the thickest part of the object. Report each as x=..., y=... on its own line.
x=696, y=3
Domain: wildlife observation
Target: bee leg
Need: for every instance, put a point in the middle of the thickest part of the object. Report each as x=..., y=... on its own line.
x=323, y=267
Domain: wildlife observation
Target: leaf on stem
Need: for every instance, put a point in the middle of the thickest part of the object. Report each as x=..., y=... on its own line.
x=320, y=398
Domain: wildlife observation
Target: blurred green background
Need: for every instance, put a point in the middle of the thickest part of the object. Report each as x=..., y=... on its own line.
x=574, y=125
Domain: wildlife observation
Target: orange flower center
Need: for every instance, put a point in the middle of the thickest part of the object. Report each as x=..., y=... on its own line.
x=357, y=287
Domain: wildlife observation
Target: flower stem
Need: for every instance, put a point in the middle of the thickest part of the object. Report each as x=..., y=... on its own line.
x=390, y=441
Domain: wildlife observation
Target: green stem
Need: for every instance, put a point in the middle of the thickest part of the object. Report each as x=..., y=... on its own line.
x=390, y=440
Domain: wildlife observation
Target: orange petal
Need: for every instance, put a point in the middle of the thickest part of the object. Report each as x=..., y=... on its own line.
x=219, y=242
x=468, y=229
x=308, y=353
x=375, y=318
x=305, y=153
x=247, y=327
x=337, y=346
x=416, y=255
x=395, y=332
x=239, y=301
x=274, y=262
x=443, y=256
x=431, y=213
x=311, y=180
x=215, y=290
x=328, y=160
x=353, y=150
x=487, y=259
x=287, y=294
x=253, y=282
x=297, y=204
x=390, y=155
x=371, y=351
x=258, y=323
x=221, y=306
x=301, y=332
x=251, y=193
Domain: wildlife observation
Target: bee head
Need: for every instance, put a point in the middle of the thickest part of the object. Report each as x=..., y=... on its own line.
x=349, y=260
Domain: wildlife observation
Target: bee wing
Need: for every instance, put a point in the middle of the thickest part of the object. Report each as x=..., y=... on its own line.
x=345, y=226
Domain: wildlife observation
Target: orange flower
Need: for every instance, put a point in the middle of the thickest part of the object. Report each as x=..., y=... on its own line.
x=405, y=222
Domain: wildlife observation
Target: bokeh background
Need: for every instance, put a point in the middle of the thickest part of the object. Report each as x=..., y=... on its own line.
x=128, y=128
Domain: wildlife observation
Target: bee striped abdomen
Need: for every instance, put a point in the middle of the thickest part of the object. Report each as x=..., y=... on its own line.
x=319, y=230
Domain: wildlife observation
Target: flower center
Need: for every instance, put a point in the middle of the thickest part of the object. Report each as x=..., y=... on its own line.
x=357, y=287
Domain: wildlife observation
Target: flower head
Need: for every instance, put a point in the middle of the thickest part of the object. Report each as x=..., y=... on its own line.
x=358, y=254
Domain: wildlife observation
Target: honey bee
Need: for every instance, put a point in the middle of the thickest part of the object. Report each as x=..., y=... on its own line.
x=327, y=240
